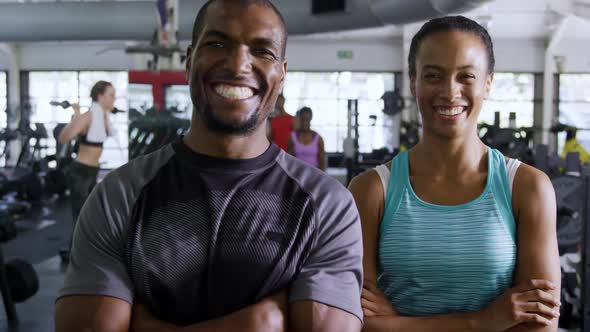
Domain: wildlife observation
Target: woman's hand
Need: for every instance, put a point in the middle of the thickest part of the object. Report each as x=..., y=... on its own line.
x=375, y=303
x=529, y=302
x=76, y=108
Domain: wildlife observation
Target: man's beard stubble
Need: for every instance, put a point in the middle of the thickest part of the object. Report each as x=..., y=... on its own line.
x=214, y=123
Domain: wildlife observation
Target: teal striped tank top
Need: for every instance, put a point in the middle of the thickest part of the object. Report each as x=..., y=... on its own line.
x=436, y=259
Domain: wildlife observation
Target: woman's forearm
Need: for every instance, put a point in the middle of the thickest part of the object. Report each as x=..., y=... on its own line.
x=466, y=322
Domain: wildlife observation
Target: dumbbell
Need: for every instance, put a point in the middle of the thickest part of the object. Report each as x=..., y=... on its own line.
x=568, y=212
x=8, y=230
x=22, y=279
x=66, y=104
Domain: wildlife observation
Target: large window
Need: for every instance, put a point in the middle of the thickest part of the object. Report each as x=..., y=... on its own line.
x=140, y=96
x=75, y=86
x=179, y=97
x=327, y=94
x=574, y=106
x=3, y=98
x=511, y=92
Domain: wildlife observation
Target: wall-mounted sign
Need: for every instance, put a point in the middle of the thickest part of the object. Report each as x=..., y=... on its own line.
x=345, y=54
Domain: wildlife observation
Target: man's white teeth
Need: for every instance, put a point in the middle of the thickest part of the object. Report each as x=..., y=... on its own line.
x=450, y=111
x=233, y=92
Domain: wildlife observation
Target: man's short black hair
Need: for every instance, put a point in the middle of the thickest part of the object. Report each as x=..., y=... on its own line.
x=200, y=19
x=447, y=23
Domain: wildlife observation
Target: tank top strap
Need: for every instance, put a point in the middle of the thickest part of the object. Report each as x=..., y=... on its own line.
x=294, y=137
x=398, y=178
x=500, y=183
x=315, y=138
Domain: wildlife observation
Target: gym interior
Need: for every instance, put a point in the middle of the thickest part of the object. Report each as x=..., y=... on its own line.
x=347, y=62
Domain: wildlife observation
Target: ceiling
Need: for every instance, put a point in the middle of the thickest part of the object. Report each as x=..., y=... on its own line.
x=507, y=19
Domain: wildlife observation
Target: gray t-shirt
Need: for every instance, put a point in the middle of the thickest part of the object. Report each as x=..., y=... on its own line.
x=196, y=238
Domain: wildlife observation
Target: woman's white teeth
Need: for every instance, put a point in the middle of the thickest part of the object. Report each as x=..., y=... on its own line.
x=449, y=110
x=233, y=92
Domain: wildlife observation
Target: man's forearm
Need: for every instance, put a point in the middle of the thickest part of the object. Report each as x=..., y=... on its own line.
x=265, y=317
x=443, y=323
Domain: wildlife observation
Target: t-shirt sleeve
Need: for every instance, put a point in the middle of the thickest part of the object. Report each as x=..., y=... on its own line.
x=332, y=274
x=97, y=261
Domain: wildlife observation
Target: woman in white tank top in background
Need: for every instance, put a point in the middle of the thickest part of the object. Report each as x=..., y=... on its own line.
x=91, y=130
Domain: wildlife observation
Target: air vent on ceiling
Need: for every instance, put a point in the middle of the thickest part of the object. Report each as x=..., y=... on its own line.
x=319, y=7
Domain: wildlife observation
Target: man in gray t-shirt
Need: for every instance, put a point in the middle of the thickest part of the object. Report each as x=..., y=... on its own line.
x=220, y=230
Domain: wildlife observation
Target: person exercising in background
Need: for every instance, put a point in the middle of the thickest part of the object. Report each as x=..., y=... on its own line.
x=306, y=144
x=282, y=124
x=90, y=129
x=220, y=230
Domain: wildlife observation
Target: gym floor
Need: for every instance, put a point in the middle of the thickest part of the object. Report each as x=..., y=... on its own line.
x=40, y=238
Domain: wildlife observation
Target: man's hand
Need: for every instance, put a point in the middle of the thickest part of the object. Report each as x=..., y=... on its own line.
x=375, y=303
x=277, y=301
x=270, y=314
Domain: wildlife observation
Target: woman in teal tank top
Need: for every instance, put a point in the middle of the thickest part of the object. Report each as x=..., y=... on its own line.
x=456, y=236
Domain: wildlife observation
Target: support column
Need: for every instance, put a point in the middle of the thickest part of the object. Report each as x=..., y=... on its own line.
x=410, y=113
x=538, y=109
x=549, y=109
x=168, y=36
x=391, y=123
x=12, y=51
x=14, y=96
